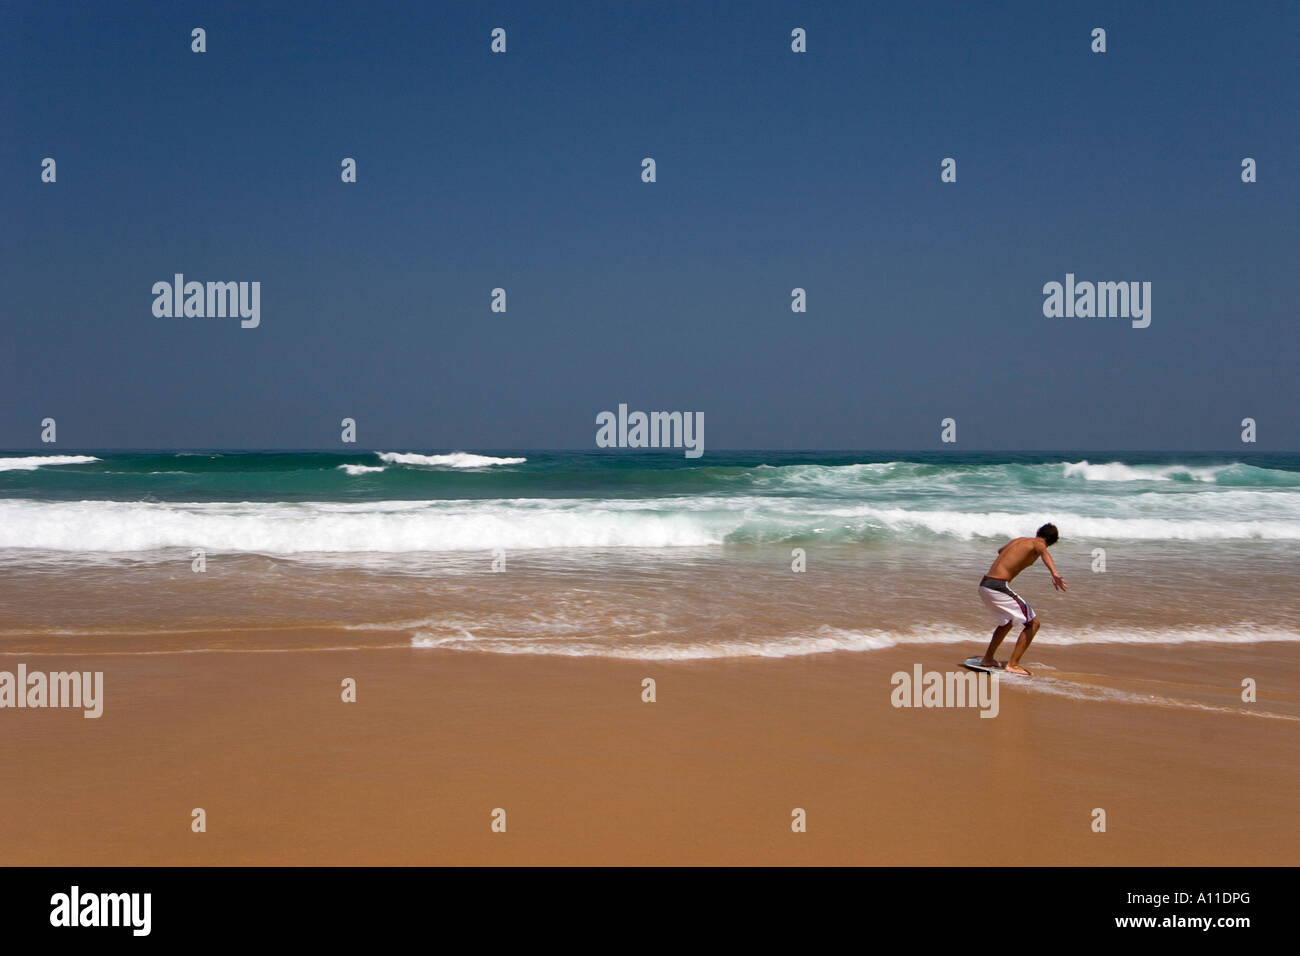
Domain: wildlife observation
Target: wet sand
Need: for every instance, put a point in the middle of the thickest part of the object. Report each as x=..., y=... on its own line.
x=708, y=774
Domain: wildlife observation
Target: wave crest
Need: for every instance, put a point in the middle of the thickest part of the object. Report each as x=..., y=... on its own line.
x=32, y=462
x=1118, y=471
x=457, y=459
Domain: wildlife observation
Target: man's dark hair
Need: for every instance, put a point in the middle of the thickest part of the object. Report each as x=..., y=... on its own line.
x=1049, y=534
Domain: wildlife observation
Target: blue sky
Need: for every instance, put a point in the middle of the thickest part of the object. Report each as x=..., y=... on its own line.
x=522, y=171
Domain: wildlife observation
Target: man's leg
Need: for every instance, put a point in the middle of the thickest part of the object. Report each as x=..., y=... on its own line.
x=1022, y=645
x=998, y=633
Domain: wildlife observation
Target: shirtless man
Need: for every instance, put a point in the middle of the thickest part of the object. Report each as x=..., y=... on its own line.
x=1006, y=605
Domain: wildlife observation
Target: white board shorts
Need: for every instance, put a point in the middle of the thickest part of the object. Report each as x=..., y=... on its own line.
x=1007, y=606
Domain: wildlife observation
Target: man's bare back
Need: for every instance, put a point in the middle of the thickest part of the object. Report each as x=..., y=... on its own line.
x=1018, y=554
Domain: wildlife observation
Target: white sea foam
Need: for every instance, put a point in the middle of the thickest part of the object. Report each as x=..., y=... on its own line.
x=1006, y=524
x=460, y=636
x=361, y=469
x=457, y=459
x=1118, y=471
x=524, y=523
x=1043, y=684
x=298, y=527
x=32, y=462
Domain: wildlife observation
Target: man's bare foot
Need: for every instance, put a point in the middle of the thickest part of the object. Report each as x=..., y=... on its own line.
x=1017, y=669
x=997, y=664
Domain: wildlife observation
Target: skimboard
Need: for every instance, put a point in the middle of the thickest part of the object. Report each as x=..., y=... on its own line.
x=1000, y=668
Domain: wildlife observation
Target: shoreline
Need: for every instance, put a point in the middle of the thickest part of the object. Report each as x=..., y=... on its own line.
x=710, y=773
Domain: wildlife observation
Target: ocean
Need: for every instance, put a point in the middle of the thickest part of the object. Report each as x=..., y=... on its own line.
x=638, y=556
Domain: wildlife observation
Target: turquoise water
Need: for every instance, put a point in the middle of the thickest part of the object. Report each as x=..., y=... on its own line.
x=645, y=556
x=322, y=476
x=290, y=503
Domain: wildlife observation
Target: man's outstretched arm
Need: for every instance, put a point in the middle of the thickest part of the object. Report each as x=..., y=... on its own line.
x=1058, y=582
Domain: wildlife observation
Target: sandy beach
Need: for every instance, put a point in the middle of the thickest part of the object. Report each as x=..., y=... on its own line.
x=710, y=773
x=499, y=620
